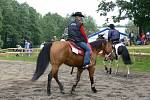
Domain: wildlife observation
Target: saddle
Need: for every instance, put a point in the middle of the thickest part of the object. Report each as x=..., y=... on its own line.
x=76, y=49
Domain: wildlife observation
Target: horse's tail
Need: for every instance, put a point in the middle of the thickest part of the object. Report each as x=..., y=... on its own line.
x=125, y=56
x=42, y=61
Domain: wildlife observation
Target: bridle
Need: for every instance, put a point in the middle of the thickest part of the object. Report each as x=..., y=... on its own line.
x=108, y=56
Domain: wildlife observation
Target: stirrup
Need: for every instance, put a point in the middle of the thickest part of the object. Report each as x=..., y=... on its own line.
x=86, y=66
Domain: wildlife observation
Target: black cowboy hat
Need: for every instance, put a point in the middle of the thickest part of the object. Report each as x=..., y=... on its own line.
x=77, y=14
x=111, y=25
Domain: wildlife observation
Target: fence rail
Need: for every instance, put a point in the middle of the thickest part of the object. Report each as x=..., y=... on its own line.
x=18, y=51
x=22, y=51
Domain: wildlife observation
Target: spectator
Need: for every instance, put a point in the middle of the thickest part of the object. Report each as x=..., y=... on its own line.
x=55, y=38
x=30, y=48
x=26, y=43
x=138, y=40
x=131, y=38
x=42, y=45
x=143, y=37
x=19, y=49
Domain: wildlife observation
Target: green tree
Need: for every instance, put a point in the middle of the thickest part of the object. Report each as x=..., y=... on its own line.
x=131, y=28
x=136, y=10
x=34, y=27
x=52, y=25
x=7, y=14
x=90, y=25
x=19, y=22
x=1, y=42
x=1, y=18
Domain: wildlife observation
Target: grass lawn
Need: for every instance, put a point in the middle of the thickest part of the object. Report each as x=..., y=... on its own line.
x=140, y=63
x=20, y=58
x=143, y=49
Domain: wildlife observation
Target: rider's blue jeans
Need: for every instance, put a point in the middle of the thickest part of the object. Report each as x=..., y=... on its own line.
x=87, y=52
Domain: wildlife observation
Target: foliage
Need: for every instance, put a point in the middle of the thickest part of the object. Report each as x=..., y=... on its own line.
x=1, y=42
x=20, y=22
x=52, y=25
x=136, y=10
x=90, y=25
x=132, y=28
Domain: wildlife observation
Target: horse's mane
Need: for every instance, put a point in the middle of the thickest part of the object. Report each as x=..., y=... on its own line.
x=98, y=43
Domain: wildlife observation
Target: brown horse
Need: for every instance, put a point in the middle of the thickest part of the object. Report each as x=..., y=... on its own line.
x=58, y=53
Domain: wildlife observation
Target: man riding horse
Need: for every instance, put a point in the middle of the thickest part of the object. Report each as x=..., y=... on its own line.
x=77, y=34
x=62, y=52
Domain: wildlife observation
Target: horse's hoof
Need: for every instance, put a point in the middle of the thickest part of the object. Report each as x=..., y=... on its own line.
x=48, y=94
x=94, y=90
x=63, y=92
x=128, y=76
x=72, y=91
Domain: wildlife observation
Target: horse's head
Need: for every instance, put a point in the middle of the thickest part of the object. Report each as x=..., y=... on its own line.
x=102, y=45
x=107, y=48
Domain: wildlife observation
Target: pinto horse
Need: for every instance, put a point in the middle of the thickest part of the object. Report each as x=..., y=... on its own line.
x=58, y=53
x=120, y=50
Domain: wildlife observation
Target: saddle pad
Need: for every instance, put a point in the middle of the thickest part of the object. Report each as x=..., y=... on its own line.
x=76, y=49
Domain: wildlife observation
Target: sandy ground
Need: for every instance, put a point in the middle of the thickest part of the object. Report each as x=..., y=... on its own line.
x=15, y=84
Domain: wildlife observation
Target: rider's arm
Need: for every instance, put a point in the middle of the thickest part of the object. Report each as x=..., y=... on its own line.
x=83, y=33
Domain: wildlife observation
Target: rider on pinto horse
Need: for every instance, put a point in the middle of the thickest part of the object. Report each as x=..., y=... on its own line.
x=77, y=34
x=113, y=36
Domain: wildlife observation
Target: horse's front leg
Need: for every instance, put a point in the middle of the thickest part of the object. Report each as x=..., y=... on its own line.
x=79, y=72
x=116, y=63
x=91, y=74
x=104, y=62
x=110, y=66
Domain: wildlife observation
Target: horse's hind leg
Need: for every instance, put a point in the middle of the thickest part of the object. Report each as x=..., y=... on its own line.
x=79, y=72
x=50, y=76
x=128, y=71
x=91, y=74
x=49, y=84
x=59, y=83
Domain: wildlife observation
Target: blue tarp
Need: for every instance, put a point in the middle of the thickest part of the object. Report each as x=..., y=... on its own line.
x=97, y=33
